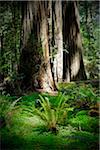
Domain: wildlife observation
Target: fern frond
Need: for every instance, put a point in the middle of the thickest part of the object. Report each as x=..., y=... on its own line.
x=41, y=115
x=61, y=98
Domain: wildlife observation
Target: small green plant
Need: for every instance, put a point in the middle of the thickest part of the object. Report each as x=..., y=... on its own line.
x=52, y=115
x=46, y=113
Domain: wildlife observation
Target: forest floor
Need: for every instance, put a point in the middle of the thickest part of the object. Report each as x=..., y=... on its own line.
x=23, y=130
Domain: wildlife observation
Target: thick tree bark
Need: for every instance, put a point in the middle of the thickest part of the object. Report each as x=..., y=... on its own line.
x=58, y=41
x=45, y=76
x=43, y=41
x=35, y=25
x=71, y=33
x=25, y=66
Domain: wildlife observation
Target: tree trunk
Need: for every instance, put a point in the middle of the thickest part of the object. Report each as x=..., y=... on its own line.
x=35, y=47
x=73, y=59
x=51, y=46
x=25, y=66
x=58, y=41
x=45, y=75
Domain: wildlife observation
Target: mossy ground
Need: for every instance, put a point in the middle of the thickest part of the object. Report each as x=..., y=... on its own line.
x=23, y=131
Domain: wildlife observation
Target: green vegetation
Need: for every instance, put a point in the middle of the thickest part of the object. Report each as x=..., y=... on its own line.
x=49, y=79
x=90, y=29
x=53, y=114
x=57, y=122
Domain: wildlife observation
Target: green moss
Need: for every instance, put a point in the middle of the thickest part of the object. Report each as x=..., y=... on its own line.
x=25, y=131
x=85, y=122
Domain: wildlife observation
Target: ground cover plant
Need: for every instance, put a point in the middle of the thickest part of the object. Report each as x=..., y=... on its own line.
x=56, y=122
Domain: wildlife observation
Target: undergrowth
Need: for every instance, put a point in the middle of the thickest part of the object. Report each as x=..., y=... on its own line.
x=35, y=118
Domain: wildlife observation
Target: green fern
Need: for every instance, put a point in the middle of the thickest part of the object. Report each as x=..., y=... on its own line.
x=52, y=116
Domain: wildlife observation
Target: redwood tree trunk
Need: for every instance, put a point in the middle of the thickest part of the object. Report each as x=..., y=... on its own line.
x=25, y=66
x=35, y=47
x=58, y=41
x=73, y=60
x=45, y=76
x=51, y=44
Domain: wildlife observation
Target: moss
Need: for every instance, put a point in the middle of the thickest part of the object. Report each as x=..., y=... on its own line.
x=25, y=131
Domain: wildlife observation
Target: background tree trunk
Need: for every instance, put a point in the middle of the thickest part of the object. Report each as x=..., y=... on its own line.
x=58, y=41
x=71, y=30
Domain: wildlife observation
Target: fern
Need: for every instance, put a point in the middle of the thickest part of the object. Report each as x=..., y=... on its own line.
x=52, y=116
